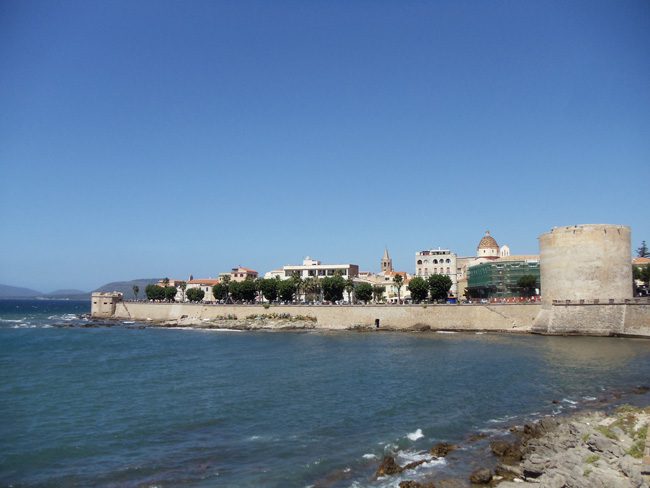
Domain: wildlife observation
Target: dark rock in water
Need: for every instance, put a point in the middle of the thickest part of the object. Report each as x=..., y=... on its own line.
x=388, y=466
x=414, y=464
x=509, y=453
x=476, y=437
x=508, y=472
x=641, y=390
x=555, y=402
x=481, y=476
x=451, y=483
x=442, y=449
x=416, y=484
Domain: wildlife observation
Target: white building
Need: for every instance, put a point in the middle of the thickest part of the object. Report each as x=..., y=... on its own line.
x=312, y=268
x=204, y=284
x=437, y=261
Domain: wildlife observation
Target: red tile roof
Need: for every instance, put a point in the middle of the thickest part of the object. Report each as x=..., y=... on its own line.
x=203, y=282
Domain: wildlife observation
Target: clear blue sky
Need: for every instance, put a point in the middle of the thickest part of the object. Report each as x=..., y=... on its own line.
x=149, y=139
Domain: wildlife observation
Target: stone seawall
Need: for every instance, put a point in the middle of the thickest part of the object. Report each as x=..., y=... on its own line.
x=506, y=318
x=624, y=319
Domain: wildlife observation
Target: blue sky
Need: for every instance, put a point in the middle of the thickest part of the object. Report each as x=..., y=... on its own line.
x=149, y=139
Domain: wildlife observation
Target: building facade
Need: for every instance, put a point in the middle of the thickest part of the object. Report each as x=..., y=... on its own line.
x=312, y=268
x=204, y=284
x=240, y=274
x=498, y=279
x=438, y=261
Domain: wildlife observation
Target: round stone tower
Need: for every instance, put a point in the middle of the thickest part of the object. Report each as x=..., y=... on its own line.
x=586, y=262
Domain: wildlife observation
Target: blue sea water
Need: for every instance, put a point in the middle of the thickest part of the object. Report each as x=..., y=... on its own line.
x=140, y=406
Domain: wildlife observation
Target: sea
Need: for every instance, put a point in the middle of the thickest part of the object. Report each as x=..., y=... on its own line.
x=86, y=403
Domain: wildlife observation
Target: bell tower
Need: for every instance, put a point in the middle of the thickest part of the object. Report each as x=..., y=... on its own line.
x=386, y=262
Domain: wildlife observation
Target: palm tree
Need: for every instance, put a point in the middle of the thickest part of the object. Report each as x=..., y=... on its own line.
x=349, y=287
x=166, y=281
x=182, y=285
x=136, y=290
x=398, y=279
x=298, y=283
x=312, y=287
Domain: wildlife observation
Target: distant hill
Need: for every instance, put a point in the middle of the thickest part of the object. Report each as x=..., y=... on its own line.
x=126, y=287
x=69, y=294
x=7, y=291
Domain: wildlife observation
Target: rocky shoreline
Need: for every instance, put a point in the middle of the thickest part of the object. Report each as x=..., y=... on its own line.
x=587, y=449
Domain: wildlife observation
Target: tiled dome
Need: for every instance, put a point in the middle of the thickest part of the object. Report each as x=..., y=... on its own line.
x=488, y=242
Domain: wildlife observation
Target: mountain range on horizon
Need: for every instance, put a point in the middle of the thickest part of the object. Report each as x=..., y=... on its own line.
x=125, y=287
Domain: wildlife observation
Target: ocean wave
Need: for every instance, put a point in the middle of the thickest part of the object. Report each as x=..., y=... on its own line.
x=446, y=332
x=65, y=316
x=369, y=456
x=500, y=420
x=414, y=436
x=12, y=321
x=408, y=456
x=589, y=398
x=571, y=402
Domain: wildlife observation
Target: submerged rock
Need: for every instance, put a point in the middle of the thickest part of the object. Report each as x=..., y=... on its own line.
x=416, y=484
x=388, y=466
x=442, y=449
x=481, y=476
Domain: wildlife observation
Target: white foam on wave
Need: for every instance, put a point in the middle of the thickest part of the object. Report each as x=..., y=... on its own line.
x=446, y=332
x=571, y=402
x=369, y=456
x=65, y=316
x=589, y=398
x=501, y=420
x=414, y=436
x=12, y=321
x=405, y=457
x=129, y=322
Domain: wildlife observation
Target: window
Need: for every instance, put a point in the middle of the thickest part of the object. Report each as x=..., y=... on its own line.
x=435, y=261
x=448, y=260
x=419, y=261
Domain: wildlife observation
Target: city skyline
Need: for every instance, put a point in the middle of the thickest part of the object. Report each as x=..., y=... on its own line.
x=147, y=139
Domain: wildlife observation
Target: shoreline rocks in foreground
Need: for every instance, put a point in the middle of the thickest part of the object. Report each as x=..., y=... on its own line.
x=590, y=449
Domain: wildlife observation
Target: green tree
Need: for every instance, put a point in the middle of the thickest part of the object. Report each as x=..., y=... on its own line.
x=136, y=290
x=363, y=292
x=349, y=287
x=333, y=287
x=286, y=289
x=419, y=289
x=439, y=286
x=220, y=291
x=269, y=289
x=378, y=292
x=398, y=280
x=165, y=281
x=642, y=273
x=170, y=293
x=312, y=287
x=195, y=294
x=155, y=292
x=527, y=285
x=245, y=291
x=643, y=251
x=298, y=283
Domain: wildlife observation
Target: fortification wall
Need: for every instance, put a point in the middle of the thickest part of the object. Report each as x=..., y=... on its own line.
x=621, y=318
x=510, y=318
x=586, y=262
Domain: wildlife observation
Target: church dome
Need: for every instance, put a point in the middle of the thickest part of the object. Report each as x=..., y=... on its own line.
x=488, y=246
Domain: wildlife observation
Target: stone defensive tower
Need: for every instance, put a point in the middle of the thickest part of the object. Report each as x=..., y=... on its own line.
x=583, y=268
x=586, y=262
